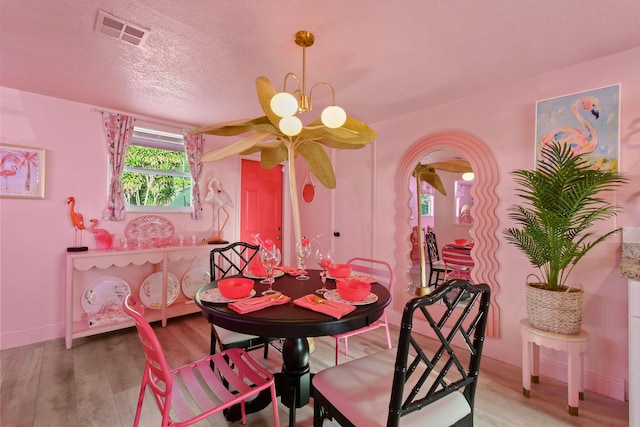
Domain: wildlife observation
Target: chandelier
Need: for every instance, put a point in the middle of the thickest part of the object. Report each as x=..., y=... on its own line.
x=279, y=135
x=286, y=105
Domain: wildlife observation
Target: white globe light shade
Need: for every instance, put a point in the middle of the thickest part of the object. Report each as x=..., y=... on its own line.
x=284, y=104
x=333, y=116
x=290, y=126
x=468, y=176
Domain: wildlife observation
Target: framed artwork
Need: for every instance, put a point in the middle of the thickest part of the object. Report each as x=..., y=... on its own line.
x=21, y=171
x=589, y=121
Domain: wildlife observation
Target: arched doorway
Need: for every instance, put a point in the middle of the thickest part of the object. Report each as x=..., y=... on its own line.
x=485, y=224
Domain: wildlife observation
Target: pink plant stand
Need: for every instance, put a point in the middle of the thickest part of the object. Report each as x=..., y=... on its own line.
x=574, y=345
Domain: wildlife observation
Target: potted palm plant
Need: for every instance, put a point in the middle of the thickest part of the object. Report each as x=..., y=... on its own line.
x=554, y=230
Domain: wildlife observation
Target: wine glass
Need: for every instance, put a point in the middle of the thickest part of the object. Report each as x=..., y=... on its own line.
x=270, y=259
x=324, y=258
x=303, y=251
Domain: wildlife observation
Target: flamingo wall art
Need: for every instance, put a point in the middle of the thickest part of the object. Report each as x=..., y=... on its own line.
x=587, y=121
x=21, y=171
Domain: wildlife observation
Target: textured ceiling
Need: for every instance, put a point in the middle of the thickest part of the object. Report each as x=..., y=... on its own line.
x=383, y=58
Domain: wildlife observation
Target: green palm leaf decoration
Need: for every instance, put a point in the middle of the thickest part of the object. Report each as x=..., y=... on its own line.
x=275, y=147
x=561, y=204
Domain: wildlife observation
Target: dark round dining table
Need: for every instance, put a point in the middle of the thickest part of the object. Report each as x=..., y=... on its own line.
x=294, y=324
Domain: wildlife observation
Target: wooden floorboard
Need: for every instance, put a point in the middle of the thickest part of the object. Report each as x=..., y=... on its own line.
x=97, y=382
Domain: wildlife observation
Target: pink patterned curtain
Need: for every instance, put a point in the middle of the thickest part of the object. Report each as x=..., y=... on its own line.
x=193, y=147
x=117, y=129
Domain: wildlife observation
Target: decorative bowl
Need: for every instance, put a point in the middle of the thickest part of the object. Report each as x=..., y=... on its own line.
x=339, y=271
x=353, y=290
x=460, y=241
x=235, y=287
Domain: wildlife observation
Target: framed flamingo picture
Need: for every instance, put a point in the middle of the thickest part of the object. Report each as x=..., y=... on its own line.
x=22, y=171
x=588, y=121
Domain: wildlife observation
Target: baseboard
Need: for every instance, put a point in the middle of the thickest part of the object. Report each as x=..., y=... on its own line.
x=31, y=336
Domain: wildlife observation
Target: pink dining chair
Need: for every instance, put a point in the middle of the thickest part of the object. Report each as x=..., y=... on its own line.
x=381, y=271
x=458, y=262
x=230, y=377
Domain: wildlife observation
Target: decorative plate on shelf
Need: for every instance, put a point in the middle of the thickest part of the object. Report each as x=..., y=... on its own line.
x=150, y=227
x=105, y=291
x=332, y=295
x=151, y=290
x=194, y=279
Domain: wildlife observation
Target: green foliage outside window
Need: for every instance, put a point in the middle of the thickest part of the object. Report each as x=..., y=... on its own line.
x=156, y=177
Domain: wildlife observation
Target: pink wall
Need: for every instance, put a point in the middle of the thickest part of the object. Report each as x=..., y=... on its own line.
x=505, y=120
x=35, y=233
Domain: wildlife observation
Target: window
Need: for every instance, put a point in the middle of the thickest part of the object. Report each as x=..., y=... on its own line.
x=156, y=172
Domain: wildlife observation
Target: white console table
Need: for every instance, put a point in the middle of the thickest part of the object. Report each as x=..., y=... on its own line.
x=155, y=259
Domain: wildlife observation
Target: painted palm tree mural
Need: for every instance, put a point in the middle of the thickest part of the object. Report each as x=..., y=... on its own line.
x=275, y=147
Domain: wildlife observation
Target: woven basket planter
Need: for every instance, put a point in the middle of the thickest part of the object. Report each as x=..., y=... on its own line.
x=554, y=311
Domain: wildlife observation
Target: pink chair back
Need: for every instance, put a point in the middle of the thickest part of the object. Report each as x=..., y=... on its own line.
x=458, y=262
x=156, y=371
x=380, y=270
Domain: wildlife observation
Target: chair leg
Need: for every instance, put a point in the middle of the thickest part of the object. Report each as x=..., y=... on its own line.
x=266, y=350
x=346, y=346
x=386, y=327
x=143, y=387
x=212, y=349
x=337, y=351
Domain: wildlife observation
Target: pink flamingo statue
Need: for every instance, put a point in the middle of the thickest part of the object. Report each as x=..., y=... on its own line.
x=577, y=140
x=104, y=239
x=219, y=199
x=77, y=220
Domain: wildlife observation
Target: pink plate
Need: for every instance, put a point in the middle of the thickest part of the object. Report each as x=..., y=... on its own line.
x=148, y=228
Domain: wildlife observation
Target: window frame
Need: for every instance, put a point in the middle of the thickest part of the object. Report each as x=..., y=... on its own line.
x=170, y=139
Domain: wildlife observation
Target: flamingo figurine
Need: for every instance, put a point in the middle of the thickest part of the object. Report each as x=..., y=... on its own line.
x=578, y=141
x=219, y=199
x=77, y=220
x=104, y=239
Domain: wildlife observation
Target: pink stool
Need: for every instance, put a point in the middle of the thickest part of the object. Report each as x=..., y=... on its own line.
x=574, y=345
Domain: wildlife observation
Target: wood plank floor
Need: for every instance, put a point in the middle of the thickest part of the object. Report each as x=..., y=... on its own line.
x=96, y=383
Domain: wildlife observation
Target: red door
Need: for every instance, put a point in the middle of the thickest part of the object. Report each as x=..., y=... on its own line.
x=261, y=202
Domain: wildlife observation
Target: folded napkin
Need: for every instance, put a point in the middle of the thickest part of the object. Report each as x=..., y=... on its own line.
x=254, y=304
x=332, y=308
x=291, y=271
x=365, y=279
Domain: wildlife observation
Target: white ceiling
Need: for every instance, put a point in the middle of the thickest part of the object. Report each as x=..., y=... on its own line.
x=383, y=58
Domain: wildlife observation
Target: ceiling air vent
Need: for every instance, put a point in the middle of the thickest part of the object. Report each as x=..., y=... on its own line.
x=121, y=29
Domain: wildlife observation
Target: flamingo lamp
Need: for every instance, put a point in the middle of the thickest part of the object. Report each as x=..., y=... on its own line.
x=104, y=239
x=77, y=220
x=219, y=199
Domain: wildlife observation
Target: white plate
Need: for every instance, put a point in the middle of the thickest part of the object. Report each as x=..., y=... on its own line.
x=151, y=290
x=214, y=295
x=354, y=276
x=109, y=290
x=332, y=295
x=250, y=275
x=194, y=279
